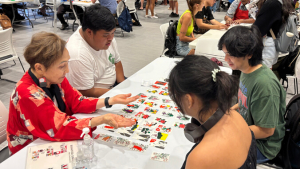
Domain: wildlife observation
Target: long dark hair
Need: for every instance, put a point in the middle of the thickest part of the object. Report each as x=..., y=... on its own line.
x=287, y=8
x=191, y=4
x=193, y=75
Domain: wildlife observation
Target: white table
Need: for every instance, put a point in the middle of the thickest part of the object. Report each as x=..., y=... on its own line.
x=12, y=6
x=111, y=156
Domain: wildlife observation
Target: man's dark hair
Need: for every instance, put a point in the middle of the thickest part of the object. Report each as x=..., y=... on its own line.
x=241, y=41
x=97, y=17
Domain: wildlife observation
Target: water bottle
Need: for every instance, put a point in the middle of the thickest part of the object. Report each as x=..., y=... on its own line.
x=88, y=148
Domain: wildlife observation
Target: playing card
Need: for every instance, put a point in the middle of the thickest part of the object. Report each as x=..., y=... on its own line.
x=155, y=86
x=103, y=137
x=133, y=106
x=145, y=130
x=127, y=110
x=163, y=129
x=149, y=123
x=122, y=142
x=158, y=143
x=154, y=98
x=150, y=110
x=142, y=115
x=138, y=147
x=167, y=114
x=150, y=104
x=164, y=93
x=181, y=117
x=160, y=83
x=163, y=157
x=141, y=101
x=125, y=132
x=166, y=101
x=108, y=128
x=165, y=89
x=166, y=106
x=141, y=137
x=160, y=120
x=179, y=125
x=142, y=95
x=152, y=91
x=160, y=136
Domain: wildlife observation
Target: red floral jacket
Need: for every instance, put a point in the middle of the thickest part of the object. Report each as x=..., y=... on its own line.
x=32, y=114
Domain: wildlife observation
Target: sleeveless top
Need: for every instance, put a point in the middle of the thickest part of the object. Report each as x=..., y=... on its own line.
x=190, y=28
x=250, y=162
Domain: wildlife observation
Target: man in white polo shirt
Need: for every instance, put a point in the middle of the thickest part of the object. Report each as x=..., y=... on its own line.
x=95, y=64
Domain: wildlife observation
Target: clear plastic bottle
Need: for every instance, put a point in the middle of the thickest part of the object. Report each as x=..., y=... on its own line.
x=88, y=148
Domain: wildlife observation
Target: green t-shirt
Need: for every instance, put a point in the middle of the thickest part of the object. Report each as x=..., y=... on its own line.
x=262, y=103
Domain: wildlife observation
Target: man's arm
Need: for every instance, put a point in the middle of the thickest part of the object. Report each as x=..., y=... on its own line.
x=119, y=72
x=235, y=107
x=202, y=25
x=93, y=1
x=250, y=20
x=93, y=92
x=261, y=132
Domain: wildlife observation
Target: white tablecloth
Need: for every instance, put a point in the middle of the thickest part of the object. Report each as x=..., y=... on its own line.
x=111, y=156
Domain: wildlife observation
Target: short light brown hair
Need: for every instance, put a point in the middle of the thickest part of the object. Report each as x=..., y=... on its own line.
x=45, y=48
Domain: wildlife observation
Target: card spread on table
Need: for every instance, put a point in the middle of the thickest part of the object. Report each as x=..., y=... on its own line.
x=164, y=93
x=125, y=132
x=166, y=100
x=103, y=137
x=133, y=106
x=163, y=157
x=181, y=117
x=158, y=143
x=160, y=83
x=150, y=104
x=122, y=142
x=155, y=86
x=127, y=110
x=138, y=147
x=151, y=110
x=142, y=115
x=108, y=128
x=142, y=95
x=160, y=136
x=153, y=91
x=141, y=136
x=167, y=114
x=55, y=155
x=179, y=125
x=166, y=106
x=154, y=98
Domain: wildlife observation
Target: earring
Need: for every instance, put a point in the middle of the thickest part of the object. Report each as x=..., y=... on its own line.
x=42, y=82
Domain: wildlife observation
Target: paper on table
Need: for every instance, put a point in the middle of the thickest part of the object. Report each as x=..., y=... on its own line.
x=56, y=155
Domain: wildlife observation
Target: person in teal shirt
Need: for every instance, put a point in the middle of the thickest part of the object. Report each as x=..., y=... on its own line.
x=261, y=98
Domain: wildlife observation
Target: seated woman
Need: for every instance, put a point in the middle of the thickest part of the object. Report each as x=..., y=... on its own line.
x=205, y=20
x=238, y=13
x=185, y=29
x=43, y=102
x=202, y=91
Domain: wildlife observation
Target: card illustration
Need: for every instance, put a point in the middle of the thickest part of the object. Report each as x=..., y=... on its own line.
x=154, y=98
x=150, y=110
x=142, y=115
x=163, y=157
x=122, y=142
x=103, y=137
x=179, y=125
x=160, y=83
x=158, y=143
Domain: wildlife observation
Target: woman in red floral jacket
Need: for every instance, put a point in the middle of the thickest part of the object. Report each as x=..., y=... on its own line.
x=43, y=102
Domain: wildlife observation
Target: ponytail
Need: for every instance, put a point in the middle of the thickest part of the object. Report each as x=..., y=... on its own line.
x=191, y=4
x=226, y=89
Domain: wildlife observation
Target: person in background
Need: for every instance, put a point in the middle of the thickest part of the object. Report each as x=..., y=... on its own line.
x=62, y=9
x=185, y=29
x=261, y=97
x=150, y=5
x=202, y=95
x=8, y=11
x=43, y=102
x=205, y=20
x=111, y=5
x=95, y=63
x=215, y=6
x=174, y=5
x=271, y=15
x=238, y=13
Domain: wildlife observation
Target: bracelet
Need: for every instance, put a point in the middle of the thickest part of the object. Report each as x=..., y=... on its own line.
x=106, y=103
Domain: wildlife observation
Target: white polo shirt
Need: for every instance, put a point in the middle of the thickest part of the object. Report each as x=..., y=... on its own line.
x=89, y=68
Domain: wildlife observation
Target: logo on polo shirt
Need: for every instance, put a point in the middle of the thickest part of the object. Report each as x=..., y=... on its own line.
x=111, y=59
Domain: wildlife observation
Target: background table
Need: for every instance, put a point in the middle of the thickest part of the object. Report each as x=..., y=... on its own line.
x=112, y=156
x=12, y=6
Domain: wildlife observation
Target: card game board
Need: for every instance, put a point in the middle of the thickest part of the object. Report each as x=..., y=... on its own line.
x=156, y=117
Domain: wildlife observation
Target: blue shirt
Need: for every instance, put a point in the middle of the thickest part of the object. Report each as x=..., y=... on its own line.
x=110, y=4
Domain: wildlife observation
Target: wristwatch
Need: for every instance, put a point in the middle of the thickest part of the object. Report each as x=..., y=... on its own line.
x=106, y=103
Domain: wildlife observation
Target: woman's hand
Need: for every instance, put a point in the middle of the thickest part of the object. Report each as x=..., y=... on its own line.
x=229, y=21
x=122, y=99
x=222, y=26
x=113, y=120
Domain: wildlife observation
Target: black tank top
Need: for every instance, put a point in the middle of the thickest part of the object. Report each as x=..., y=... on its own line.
x=250, y=162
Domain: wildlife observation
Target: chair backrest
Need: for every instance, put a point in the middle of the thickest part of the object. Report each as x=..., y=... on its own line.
x=6, y=45
x=120, y=8
x=297, y=67
x=163, y=29
x=3, y=124
x=131, y=5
